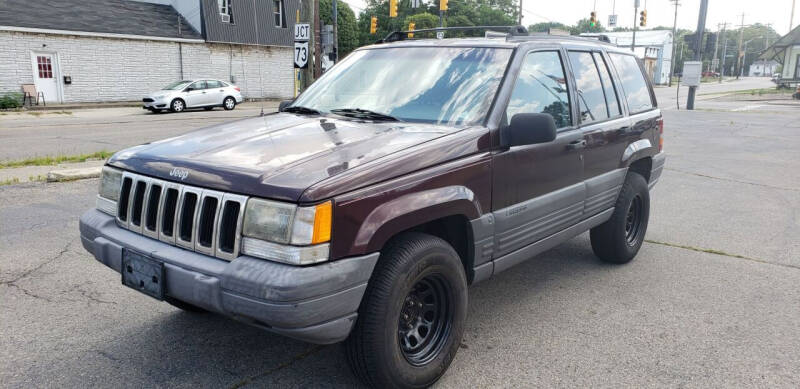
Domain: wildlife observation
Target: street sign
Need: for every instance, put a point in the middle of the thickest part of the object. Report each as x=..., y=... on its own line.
x=302, y=32
x=612, y=20
x=300, y=54
x=692, y=72
x=439, y=34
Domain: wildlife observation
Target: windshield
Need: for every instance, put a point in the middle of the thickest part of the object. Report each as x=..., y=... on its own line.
x=452, y=85
x=177, y=85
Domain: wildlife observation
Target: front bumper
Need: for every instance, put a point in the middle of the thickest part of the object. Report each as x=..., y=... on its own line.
x=317, y=304
x=160, y=103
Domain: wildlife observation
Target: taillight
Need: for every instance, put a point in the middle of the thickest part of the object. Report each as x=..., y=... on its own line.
x=660, y=134
x=237, y=88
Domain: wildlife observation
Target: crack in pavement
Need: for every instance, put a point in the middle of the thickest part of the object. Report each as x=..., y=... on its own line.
x=733, y=180
x=13, y=283
x=720, y=253
x=314, y=349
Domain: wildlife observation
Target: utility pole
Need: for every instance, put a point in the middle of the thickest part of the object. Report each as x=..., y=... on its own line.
x=307, y=15
x=335, y=31
x=674, y=31
x=635, y=12
x=791, y=17
x=724, y=52
x=519, y=20
x=698, y=46
x=740, y=54
x=316, y=41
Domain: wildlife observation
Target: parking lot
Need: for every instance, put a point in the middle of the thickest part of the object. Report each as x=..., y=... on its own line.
x=712, y=300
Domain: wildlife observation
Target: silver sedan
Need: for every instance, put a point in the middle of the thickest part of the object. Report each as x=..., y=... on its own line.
x=184, y=94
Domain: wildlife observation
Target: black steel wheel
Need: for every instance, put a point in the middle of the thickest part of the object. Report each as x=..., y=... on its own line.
x=411, y=319
x=618, y=240
x=425, y=320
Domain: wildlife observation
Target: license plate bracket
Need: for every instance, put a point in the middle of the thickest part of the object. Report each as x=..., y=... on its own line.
x=143, y=273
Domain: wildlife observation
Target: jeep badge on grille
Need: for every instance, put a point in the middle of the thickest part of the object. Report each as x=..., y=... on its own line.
x=179, y=173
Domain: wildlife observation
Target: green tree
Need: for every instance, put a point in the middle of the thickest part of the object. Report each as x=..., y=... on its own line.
x=546, y=26
x=348, y=25
x=584, y=25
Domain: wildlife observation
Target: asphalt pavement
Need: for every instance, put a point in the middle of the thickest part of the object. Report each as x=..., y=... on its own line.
x=712, y=299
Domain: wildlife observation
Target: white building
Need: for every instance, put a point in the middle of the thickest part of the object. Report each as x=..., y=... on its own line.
x=119, y=50
x=654, y=47
x=763, y=68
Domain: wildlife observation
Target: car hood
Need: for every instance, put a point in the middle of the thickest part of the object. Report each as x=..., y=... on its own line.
x=275, y=156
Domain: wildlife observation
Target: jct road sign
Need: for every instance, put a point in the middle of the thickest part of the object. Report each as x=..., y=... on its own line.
x=300, y=54
x=302, y=31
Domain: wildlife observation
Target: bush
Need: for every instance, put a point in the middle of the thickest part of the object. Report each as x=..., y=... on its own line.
x=11, y=100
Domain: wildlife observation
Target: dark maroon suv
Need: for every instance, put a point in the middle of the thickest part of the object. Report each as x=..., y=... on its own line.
x=363, y=210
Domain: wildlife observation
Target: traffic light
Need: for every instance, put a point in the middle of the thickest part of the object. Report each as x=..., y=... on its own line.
x=392, y=8
x=373, y=25
x=411, y=26
x=593, y=19
x=643, y=18
x=442, y=5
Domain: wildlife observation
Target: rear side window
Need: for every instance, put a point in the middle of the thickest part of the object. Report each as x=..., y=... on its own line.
x=591, y=97
x=213, y=84
x=608, y=86
x=542, y=88
x=633, y=83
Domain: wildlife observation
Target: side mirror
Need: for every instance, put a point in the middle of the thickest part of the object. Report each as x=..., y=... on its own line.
x=284, y=104
x=528, y=129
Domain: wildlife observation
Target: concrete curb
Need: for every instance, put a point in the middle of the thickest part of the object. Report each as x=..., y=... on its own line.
x=73, y=174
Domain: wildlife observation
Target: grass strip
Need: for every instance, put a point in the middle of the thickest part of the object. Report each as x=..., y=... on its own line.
x=50, y=161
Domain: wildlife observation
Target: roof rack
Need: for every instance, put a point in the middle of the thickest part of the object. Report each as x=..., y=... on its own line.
x=403, y=35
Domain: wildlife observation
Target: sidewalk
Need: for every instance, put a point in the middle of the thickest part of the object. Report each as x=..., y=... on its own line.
x=60, y=172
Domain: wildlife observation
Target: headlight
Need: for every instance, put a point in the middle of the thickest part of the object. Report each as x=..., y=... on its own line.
x=108, y=193
x=269, y=222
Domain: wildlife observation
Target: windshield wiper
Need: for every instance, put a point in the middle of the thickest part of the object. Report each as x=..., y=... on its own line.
x=365, y=114
x=301, y=110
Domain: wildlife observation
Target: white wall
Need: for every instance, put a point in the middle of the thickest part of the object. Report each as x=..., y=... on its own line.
x=110, y=69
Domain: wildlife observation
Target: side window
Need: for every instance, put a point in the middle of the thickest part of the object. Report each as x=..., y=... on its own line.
x=211, y=84
x=591, y=98
x=198, y=85
x=612, y=99
x=633, y=83
x=542, y=88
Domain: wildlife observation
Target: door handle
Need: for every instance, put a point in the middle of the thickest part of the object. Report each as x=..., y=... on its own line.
x=578, y=144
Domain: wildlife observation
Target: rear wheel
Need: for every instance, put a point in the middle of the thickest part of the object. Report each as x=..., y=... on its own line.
x=177, y=105
x=619, y=239
x=411, y=320
x=229, y=103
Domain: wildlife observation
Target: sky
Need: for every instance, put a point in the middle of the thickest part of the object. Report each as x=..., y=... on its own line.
x=659, y=12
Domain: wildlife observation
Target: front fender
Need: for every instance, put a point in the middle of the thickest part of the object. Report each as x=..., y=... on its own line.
x=413, y=209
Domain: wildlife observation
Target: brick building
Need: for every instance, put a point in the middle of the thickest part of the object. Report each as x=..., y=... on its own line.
x=119, y=50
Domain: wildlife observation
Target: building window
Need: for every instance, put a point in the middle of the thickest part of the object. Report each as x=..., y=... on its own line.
x=226, y=10
x=45, y=67
x=277, y=9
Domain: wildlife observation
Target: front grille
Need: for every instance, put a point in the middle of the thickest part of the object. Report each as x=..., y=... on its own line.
x=201, y=220
x=147, y=100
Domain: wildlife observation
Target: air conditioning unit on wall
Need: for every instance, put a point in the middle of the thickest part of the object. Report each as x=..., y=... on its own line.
x=225, y=18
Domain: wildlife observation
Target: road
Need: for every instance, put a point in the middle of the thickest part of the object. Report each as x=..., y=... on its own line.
x=712, y=300
x=708, y=90
x=24, y=135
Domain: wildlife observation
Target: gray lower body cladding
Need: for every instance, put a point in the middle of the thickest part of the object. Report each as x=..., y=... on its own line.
x=317, y=304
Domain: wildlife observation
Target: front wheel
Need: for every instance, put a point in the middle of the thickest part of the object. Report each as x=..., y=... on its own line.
x=177, y=105
x=229, y=103
x=619, y=239
x=411, y=320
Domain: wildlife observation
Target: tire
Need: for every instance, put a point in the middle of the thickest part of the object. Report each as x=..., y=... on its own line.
x=184, y=306
x=619, y=239
x=177, y=105
x=418, y=283
x=208, y=108
x=229, y=103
